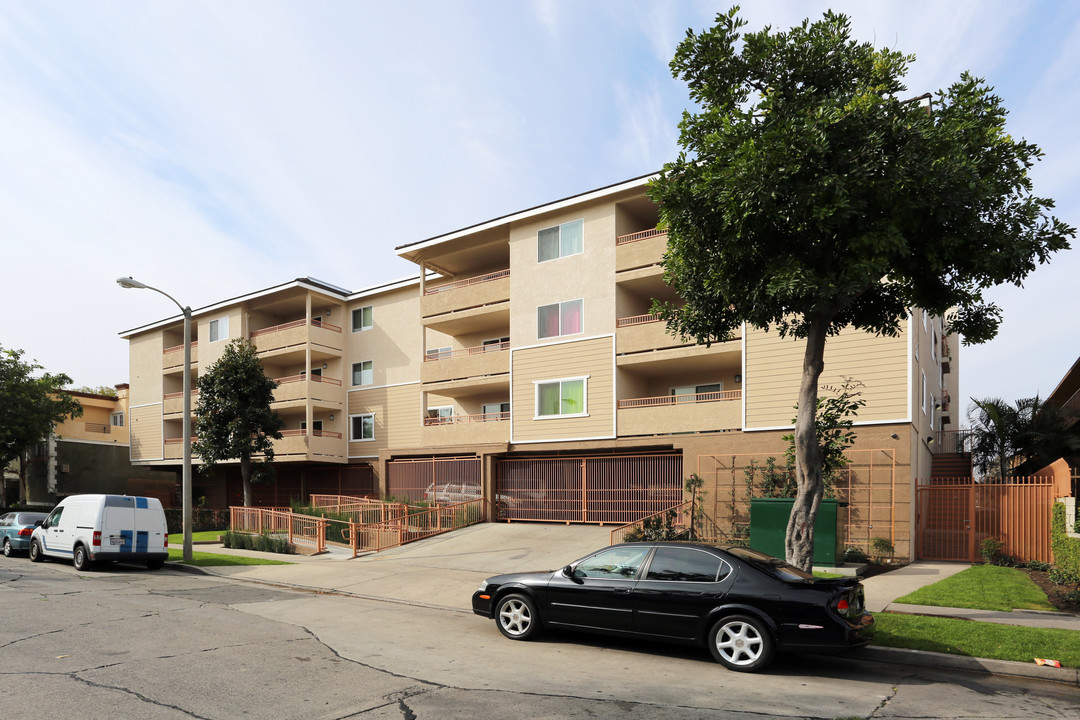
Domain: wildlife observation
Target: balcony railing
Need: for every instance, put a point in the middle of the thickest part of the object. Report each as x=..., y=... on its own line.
x=178, y=348
x=664, y=400
x=300, y=378
x=457, y=419
x=465, y=352
x=636, y=320
x=97, y=428
x=296, y=324
x=312, y=433
x=175, y=395
x=643, y=235
x=179, y=441
x=498, y=275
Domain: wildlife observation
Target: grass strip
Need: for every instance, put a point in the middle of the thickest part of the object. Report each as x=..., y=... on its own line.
x=202, y=536
x=977, y=639
x=982, y=587
x=204, y=559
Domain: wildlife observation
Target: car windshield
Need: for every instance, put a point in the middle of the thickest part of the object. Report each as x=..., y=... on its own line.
x=771, y=565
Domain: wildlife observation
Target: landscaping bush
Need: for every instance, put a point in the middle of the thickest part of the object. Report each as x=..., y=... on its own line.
x=657, y=527
x=262, y=543
x=1066, y=549
x=881, y=548
x=855, y=555
x=202, y=519
x=993, y=553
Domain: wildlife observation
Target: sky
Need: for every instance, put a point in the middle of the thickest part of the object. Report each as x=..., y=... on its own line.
x=212, y=149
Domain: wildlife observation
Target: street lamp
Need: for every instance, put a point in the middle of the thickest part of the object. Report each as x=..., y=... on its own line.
x=186, y=477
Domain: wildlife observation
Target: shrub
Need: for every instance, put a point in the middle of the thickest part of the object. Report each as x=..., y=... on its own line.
x=1066, y=549
x=855, y=555
x=993, y=553
x=1037, y=565
x=263, y=543
x=881, y=548
x=657, y=527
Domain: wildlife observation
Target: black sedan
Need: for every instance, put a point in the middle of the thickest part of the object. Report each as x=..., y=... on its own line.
x=742, y=604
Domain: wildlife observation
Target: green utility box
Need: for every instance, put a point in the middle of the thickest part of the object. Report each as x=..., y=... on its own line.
x=768, y=528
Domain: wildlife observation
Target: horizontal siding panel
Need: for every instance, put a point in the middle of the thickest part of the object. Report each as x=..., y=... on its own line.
x=398, y=417
x=774, y=371
x=145, y=432
x=563, y=360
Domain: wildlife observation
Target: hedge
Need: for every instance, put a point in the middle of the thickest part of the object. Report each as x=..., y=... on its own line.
x=202, y=519
x=1066, y=549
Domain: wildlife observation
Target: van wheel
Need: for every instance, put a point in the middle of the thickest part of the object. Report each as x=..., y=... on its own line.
x=35, y=552
x=80, y=559
x=155, y=564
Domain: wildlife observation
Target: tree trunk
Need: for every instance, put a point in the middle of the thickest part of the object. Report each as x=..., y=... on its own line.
x=24, y=487
x=245, y=474
x=799, y=542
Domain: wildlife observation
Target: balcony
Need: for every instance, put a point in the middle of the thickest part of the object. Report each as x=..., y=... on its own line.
x=467, y=429
x=473, y=292
x=639, y=333
x=640, y=249
x=476, y=361
x=174, y=448
x=172, y=358
x=309, y=445
x=301, y=388
x=669, y=414
x=173, y=403
x=295, y=335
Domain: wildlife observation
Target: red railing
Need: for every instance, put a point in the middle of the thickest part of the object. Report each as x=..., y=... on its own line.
x=456, y=419
x=680, y=399
x=179, y=441
x=177, y=348
x=465, y=352
x=498, y=275
x=643, y=235
x=636, y=320
x=295, y=324
x=174, y=395
x=282, y=522
x=301, y=378
x=311, y=433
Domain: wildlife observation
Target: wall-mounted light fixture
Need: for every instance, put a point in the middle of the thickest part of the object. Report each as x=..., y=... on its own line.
x=738, y=378
x=324, y=366
x=929, y=439
x=894, y=436
x=331, y=417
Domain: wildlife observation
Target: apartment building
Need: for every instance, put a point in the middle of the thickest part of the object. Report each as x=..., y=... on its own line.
x=522, y=364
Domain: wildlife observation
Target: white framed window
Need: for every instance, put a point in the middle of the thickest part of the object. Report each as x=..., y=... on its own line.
x=219, y=329
x=494, y=344
x=934, y=345
x=443, y=411
x=689, y=393
x=566, y=397
x=362, y=427
x=116, y=419
x=560, y=241
x=495, y=411
x=565, y=318
x=362, y=319
x=439, y=353
x=363, y=373
x=922, y=392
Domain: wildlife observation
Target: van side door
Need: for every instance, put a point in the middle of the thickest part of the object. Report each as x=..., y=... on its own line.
x=59, y=536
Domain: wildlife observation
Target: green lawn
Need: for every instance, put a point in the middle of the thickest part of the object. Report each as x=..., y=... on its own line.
x=204, y=559
x=977, y=639
x=982, y=587
x=177, y=539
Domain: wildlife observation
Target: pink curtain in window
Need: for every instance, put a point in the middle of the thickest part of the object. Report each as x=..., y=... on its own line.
x=571, y=318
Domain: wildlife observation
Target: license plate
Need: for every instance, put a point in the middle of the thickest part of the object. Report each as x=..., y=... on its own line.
x=114, y=540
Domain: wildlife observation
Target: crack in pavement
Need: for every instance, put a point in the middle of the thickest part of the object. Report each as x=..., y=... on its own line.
x=140, y=696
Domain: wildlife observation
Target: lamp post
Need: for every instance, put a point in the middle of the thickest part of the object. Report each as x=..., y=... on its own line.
x=186, y=477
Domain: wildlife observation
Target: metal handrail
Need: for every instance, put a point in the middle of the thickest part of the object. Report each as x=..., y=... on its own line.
x=295, y=323
x=636, y=320
x=455, y=419
x=311, y=433
x=642, y=235
x=497, y=275
x=680, y=399
x=175, y=395
x=178, y=348
x=300, y=378
x=465, y=352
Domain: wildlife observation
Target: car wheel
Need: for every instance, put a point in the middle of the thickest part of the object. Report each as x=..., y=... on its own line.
x=80, y=559
x=741, y=643
x=35, y=552
x=155, y=564
x=7, y=547
x=517, y=618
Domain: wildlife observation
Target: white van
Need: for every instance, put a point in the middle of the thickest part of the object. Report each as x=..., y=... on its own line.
x=103, y=528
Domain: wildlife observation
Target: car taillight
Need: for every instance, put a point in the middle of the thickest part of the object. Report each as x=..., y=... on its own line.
x=96, y=542
x=842, y=606
x=26, y=532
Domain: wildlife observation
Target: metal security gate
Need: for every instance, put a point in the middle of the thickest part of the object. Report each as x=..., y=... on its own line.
x=954, y=516
x=409, y=480
x=608, y=489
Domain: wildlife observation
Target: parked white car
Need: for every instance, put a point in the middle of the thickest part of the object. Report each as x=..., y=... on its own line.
x=103, y=528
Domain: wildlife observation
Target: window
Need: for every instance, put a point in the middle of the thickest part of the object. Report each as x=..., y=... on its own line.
x=496, y=344
x=316, y=426
x=116, y=419
x=439, y=353
x=621, y=563
x=557, y=398
x=686, y=565
x=688, y=393
x=495, y=411
x=361, y=319
x=559, y=319
x=922, y=392
x=444, y=411
x=559, y=241
x=362, y=427
x=934, y=345
x=363, y=373
x=219, y=329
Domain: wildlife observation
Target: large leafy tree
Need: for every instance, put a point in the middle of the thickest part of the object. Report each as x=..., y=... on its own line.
x=810, y=195
x=233, y=419
x=31, y=404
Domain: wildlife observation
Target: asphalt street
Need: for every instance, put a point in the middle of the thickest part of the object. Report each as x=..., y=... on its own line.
x=125, y=642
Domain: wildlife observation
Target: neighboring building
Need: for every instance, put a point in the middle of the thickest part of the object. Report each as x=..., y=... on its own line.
x=523, y=362
x=90, y=454
x=1067, y=395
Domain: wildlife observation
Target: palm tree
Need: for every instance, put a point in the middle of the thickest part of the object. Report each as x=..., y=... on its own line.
x=1018, y=438
x=993, y=431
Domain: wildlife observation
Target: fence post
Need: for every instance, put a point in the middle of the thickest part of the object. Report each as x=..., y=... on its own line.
x=353, y=540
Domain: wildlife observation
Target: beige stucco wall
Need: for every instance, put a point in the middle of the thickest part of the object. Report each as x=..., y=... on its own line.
x=774, y=370
x=590, y=357
x=145, y=428
x=144, y=356
x=393, y=344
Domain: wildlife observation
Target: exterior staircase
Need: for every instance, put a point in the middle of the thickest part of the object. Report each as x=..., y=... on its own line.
x=950, y=465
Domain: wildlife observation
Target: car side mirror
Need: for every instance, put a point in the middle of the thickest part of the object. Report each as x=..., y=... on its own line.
x=568, y=571
x=38, y=523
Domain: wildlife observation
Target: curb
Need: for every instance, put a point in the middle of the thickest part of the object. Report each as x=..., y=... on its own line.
x=986, y=666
